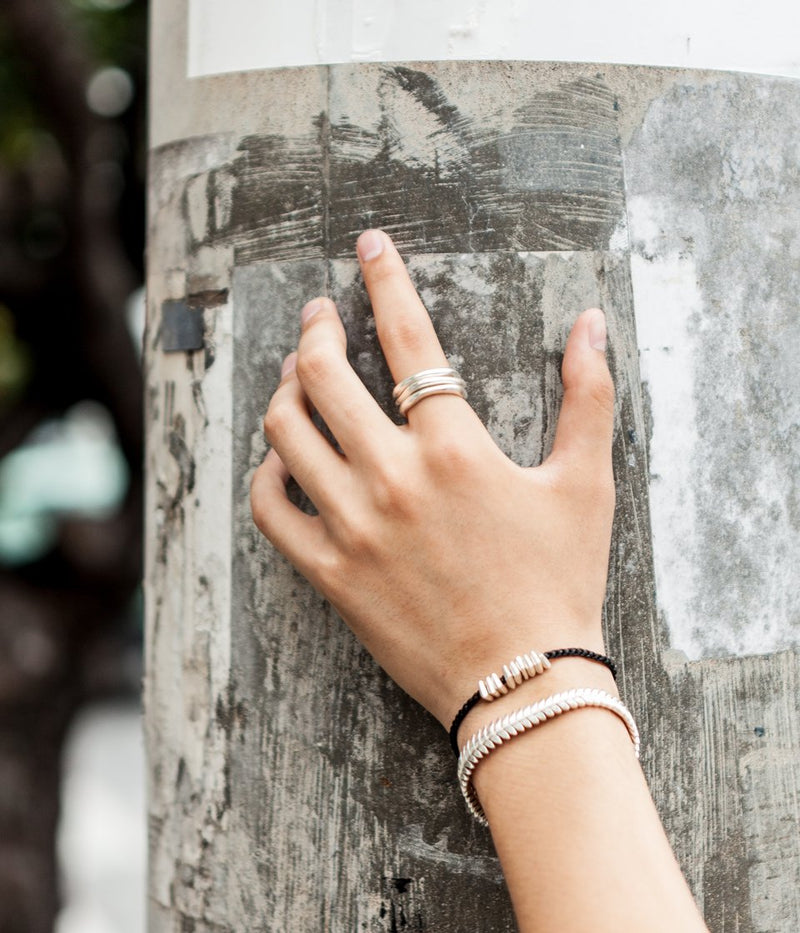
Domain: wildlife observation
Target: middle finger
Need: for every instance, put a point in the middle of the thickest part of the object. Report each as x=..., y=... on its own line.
x=405, y=330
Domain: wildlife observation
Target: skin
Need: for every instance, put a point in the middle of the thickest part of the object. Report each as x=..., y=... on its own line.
x=447, y=559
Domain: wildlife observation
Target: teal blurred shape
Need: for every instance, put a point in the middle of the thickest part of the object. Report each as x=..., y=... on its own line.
x=70, y=467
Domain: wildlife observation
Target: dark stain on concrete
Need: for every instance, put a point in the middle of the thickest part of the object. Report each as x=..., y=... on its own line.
x=207, y=298
x=181, y=454
x=231, y=713
x=277, y=196
x=397, y=911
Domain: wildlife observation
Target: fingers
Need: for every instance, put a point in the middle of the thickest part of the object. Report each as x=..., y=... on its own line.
x=331, y=384
x=586, y=423
x=304, y=452
x=299, y=537
x=405, y=330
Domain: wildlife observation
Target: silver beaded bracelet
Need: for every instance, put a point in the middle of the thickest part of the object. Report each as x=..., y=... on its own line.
x=501, y=730
x=523, y=667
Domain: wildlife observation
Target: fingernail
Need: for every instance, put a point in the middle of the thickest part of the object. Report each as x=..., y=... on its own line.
x=369, y=245
x=288, y=365
x=597, y=330
x=310, y=310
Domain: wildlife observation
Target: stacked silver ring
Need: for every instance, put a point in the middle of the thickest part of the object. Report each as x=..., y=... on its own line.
x=439, y=381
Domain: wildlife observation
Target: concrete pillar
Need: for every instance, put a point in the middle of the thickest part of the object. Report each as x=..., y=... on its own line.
x=293, y=787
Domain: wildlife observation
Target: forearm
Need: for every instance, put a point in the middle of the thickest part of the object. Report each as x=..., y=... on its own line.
x=578, y=836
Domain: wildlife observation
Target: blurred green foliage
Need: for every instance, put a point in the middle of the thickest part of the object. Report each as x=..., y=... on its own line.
x=20, y=119
x=115, y=30
x=15, y=362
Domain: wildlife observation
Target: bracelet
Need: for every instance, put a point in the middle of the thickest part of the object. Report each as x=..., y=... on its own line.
x=521, y=668
x=501, y=730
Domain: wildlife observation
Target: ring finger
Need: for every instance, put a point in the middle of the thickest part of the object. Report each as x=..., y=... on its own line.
x=308, y=456
x=353, y=416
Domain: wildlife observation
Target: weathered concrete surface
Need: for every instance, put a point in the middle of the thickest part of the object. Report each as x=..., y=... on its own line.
x=293, y=787
x=713, y=205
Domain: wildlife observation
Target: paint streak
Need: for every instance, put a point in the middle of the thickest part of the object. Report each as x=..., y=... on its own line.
x=432, y=176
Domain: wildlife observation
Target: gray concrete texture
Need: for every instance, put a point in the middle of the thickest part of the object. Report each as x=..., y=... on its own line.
x=293, y=787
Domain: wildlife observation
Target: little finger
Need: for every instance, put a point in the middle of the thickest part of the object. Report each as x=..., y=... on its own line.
x=299, y=537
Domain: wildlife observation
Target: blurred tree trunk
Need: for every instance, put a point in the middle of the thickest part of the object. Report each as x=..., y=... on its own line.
x=292, y=786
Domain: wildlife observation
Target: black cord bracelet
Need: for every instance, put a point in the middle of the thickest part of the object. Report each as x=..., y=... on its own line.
x=551, y=656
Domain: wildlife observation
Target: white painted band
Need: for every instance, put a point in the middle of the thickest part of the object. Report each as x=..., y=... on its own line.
x=242, y=35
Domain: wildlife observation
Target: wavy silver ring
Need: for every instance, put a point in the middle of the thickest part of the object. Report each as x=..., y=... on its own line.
x=426, y=382
x=439, y=381
x=422, y=374
x=430, y=387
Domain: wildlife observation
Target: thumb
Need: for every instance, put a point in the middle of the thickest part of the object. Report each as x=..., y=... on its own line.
x=586, y=423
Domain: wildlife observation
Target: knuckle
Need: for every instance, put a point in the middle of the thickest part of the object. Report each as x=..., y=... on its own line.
x=331, y=572
x=315, y=363
x=403, y=332
x=355, y=545
x=260, y=519
x=276, y=419
x=391, y=492
x=453, y=455
x=358, y=538
x=255, y=499
x=258, y=505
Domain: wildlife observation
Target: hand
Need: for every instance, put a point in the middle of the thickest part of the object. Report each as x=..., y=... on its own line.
x=444, y=557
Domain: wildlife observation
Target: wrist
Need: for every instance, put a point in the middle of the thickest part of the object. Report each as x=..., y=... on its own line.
x=455, y=682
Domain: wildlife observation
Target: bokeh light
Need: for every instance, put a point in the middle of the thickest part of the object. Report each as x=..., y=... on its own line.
x=110, y=91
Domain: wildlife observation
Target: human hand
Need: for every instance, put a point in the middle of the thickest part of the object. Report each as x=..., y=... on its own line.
x=444, y=557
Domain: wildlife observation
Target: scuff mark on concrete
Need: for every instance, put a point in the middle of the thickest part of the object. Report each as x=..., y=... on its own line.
x=413, y=844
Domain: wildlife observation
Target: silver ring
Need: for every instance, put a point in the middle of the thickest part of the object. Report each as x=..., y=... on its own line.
x=422, y=374
x=426, y=382
x=441, y=380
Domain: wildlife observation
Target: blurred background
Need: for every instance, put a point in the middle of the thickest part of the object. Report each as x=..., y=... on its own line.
x=72, y=166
